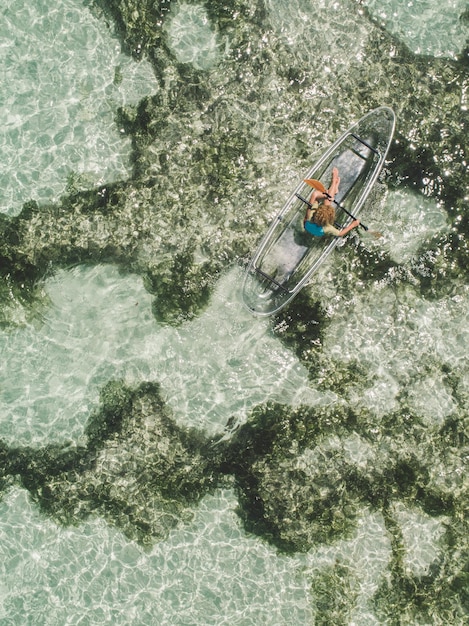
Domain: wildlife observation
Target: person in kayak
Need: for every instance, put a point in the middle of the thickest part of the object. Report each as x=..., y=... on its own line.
x=319, y=218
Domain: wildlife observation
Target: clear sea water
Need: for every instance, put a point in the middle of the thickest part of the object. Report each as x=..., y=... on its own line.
x=63, y=78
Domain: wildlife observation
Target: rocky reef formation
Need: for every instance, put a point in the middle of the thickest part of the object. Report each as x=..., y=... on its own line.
x=214, y=149
x=138, y=469
x=302, y=476
x=205, y=148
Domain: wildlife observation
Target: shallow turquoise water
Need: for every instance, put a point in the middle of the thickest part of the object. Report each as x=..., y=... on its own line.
x=207, y=572
x=97, y=325
x=425, y=26
x=65, y=76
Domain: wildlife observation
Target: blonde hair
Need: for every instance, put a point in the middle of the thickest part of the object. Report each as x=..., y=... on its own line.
x=324, y=215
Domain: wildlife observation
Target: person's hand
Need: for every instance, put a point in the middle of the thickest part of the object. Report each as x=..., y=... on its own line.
x=355, y=223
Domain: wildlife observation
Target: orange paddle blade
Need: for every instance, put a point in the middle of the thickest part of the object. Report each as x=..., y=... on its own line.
x=317, y=184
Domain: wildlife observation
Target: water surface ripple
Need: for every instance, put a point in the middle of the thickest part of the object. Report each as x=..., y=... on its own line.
x=164, y=457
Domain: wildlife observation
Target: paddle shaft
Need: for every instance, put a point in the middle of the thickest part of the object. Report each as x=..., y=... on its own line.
x=345, y=210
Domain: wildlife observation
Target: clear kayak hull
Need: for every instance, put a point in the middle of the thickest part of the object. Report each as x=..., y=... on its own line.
x=288, y=257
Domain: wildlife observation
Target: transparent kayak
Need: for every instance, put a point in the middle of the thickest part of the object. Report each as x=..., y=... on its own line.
x=287, y=256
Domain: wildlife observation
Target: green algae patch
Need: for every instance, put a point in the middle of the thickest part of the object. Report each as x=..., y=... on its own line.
x=138, y=22
x=139, y=471
x=303, y=478
x=335, y=592
x=300, y=480
x=438, y=597
x=182, y=291
x=288, y=493
x=212, y=152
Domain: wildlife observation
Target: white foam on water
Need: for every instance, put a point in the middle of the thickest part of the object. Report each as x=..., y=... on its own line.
x=63, y=77
x=425, y=26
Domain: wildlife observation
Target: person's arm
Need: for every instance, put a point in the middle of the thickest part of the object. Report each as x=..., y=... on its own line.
x=309, y=211
x=341, y=233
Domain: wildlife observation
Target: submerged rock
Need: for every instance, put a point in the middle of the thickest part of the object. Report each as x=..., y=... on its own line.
x=303, y=477
x=138, y=470
x=213, y=153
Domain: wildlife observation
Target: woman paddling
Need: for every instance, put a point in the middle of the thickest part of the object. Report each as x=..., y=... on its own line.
x=319, y=218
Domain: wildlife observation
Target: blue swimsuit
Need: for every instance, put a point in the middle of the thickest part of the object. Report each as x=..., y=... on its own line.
x=314, y=229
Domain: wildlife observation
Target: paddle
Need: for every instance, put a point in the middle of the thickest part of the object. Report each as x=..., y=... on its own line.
x=317, y=184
